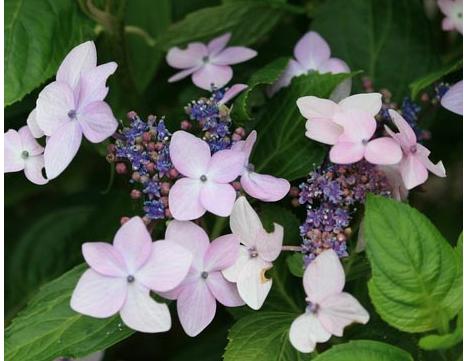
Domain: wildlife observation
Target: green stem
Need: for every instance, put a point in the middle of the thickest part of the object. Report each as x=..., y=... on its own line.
x=130, y=29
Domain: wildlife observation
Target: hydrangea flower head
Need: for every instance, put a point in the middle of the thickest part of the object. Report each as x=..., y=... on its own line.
x=209, y=65
x=452, y=100
x=452, y=9
x=204, y=285
x=121, y=276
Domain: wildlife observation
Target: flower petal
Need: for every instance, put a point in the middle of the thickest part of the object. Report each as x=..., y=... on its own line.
x=232, y=92
x=383, y=150
x=142, y=313
x=218, y=198
x=61, y=148
x=312, y=51
x=33, y=167
x=92, y=87
x=357, y=125
x=222, y=253
x=346, y=153
x=183, y=74
x=97, y=295
x=233, y=55
x=245, y=223
x=340, y=310
x=28, y=142
x=225, y=166
x=306, y=331
x=189, y=154
x=264, y=187
x=292, y=70
x=407, y=136
x=423, y=154
x=196, y=307
x=452, y=100
x=313, y=107
x=341, y=91
x=334, y=66
x=166, y=267
x=13, y=149
x=133, y=242
x=212, y=75
x=233, y=272
x=79, y=60
x=218, y=44
x=324, y=277
x=54, y=103
x=392, y=172
x=269, y=245
x=104, y=259
x=323, y=130
x=253, y=286
x=412, y=171
x=184, y=199
x=187, y=58
x=33, y=126
x=371, y=103
x=246, y=146
x=224, y=291
x=97, y=121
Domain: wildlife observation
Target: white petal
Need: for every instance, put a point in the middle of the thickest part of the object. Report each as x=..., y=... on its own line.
x=306, y=331
x=12, y=152
x=33, y=126
x=368, y=102
x=244, y=222
x=80, y=59
x=233, y=272
x=33, y=167
x=253, y=286
x=269, y=245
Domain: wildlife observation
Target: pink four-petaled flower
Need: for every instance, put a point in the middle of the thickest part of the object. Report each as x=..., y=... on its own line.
x=452, y=100
x=452, y=9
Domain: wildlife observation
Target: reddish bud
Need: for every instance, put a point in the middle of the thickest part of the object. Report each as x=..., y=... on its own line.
x=185, y=125
x=173, y=173
x=124, y=220
x=240, y=131
x=121, y=168
x=295, y=202
x=236, y=137
x=146, y=137
x=237, y=186
x=135, y=194
x=165, y=186
x=294, y=191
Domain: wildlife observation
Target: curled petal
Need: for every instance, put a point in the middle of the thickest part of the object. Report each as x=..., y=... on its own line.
x=312, y=51
x=423, y=154
x=218, y=198
x=306, y=331
x=233, y=55
x=190, y=57
x=264, y=187
x=184, y=199
x=212, y=75
x=189, y=154
x=407, y=137
x=33, y=168
x=33, y=126
x=253, y=286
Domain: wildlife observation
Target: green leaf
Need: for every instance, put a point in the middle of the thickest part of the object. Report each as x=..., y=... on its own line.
x=153, y=17
x=234, y=17
x=414, y=269
x=295, y=264
x=47, y=328
x=262, y=336
x=389, y=40
x=437, y=342
x=364, y=350
x=418, y=85
x=264, y=76
x=282, y=148
x=38, y=35
x=272, y=213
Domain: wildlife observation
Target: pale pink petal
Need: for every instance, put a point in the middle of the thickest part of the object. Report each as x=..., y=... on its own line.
x=312, y=51
x=12, y=152
x=292, y=70
x=80, y=59
x=383, y=150
x=218, y=44
x=233, y=55
x=104, y=258
x=452, y=100
x=306, y=331
x=232, y=92
x=33, y=126
x=245, y=223
x=334, y=66
x=28, y=142
x=33, y=167
x=183, y=74
x=340, y=310
x=142, y=313
x=407, y=136
x=357, y=125
x=54, y=104
x=371, y=103
x=264, y=187
x=269, y=245
x=423, y=155
x=313, y=107
x=166, y=267
x=323, y=130
x=253, y=286
x=133, y=242
x=222, y=253
x=217, y=198
x=324, y=277
x=447, y=24
x=224, y=291
x=99, y=296
x=61, y=148
x=233, y=272
x=92, y=86
x=392, y=172
x=412, y=171
x=189, y=154
x=184, y=199
x=446, y=6
x=189, y=57
x=246, y=146
x=97, y=121
x=346, y=153
x=196, y=307
x=225, y=166
x=212, y=75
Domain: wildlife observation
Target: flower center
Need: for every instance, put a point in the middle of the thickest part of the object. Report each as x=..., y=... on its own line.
x=253, y=252
x=413, y=149
x=130, y=279
x=203, y=178
x=205, y=59
x=365, y=141
x=72, y=114
x=25, y=154
x=204, y=275
x=311, y=307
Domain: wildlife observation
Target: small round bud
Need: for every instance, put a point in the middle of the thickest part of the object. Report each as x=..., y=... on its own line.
x=110, y=157
x=295, y=202
x=151, y=147
x=173, y=173
x=425, y=97
x=146, y=220
x=168, y=213
x=150, y=167
x=159, y=146
x=237, y=186
x=124, y=220
x=144, y=179
x=136, y=176
x=240, y=131
x=185, y=125
x=110, y=148
x=131, y=115
x=121, y=168
x=165, y=186
x=236, y=137
x=146, y=137
x=164, y=200
x=294, y=191
x=135, y=194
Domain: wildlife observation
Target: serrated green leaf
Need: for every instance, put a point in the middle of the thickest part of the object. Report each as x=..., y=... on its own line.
x=433, y=77
x=390, y=40
x=295, y=264
x=364, y=350
x=262, y=336
x=414, y=269
x=264, y=76
x=282, y=148
x=38, y=35
x=47, y=328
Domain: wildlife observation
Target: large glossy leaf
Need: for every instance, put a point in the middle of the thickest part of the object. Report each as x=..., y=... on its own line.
x=389, y=39
x=415, y=284
x=38, y=35
x=47, y=328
